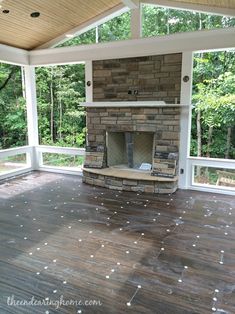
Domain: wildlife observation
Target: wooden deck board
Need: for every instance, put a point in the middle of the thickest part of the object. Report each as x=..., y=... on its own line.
x=61, y=237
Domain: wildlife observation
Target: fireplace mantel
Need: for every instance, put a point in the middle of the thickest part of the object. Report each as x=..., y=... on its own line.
x=128, y=104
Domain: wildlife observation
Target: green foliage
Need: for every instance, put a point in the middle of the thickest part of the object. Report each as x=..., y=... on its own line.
x=61, y=118
x=214, y=97
x=162, y=21
x=12, y=108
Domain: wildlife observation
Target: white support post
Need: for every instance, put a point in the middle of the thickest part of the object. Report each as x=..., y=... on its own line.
x=136, y=22
x=32, y=116
x=88, y=81
x=185, y=119
x=89, y=84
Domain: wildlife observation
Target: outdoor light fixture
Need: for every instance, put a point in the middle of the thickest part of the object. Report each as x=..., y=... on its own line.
x=35, y=14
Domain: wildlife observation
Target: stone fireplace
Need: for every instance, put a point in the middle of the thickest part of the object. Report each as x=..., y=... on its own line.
x=133, y=125
x=133, y=148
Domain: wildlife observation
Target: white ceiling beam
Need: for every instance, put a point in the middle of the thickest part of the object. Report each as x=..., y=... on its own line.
x=136, y=23
x=86, y=26
x=191, y=7
x=190, y=41
x=13, y=55
x=131, y=4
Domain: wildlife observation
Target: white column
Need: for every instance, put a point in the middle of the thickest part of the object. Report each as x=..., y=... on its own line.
x=88, y=81
x=32, y=115
x=136, y=22
x=185, y=119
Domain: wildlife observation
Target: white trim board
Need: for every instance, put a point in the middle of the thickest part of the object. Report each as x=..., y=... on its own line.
x=132, y=4
x=13, y=55
x=174, y=43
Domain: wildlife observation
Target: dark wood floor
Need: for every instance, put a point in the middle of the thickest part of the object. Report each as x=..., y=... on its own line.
x=135, y=253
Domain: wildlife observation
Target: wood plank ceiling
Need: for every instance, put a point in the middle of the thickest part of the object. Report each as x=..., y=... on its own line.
x=228, y=4
x=19, y=29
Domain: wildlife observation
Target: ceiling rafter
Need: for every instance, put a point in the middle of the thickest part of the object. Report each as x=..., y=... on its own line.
x=132, y=4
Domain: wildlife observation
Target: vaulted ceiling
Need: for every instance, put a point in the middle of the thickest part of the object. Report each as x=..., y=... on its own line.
x=19, y=29
x=58, y=17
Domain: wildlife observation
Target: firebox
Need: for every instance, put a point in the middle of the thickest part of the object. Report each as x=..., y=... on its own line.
x=129, y=149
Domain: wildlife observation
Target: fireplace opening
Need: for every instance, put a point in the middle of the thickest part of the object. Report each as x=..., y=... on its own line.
x=130, y=150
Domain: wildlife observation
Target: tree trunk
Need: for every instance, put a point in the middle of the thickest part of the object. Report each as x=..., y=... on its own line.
x=52, y=107
x=60, y=110
x=199, y=135
x=228, y=143
x=210, y=131
x=199, y=142
x=11, y=74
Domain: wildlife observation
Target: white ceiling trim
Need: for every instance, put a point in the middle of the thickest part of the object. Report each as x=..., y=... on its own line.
x=13, y=55
x=190, y=41
x=132, y=4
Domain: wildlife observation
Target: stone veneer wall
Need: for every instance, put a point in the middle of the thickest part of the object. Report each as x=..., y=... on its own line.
x=152, y=78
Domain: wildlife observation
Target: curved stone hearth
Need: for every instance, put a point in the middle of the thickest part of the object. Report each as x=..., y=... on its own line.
x=129, y=180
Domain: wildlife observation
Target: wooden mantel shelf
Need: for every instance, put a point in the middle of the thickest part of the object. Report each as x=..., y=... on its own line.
x=128, y=104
